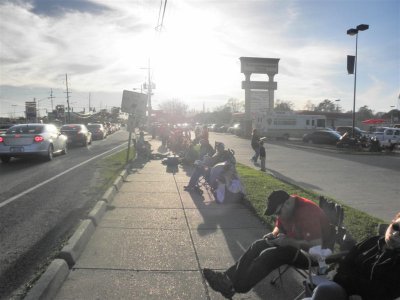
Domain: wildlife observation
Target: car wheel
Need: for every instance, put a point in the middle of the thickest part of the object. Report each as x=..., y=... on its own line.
x=65, y=150
x=5, y=159
x=310, y=141
x=49, y=155
x=90, y=141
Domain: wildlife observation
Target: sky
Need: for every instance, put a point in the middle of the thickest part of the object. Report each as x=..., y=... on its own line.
x=102, y=47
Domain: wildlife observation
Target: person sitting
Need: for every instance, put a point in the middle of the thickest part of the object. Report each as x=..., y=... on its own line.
x=300, y=225
x=203, y=169
x=371, y=270
x=205, y=149
x=143, y=147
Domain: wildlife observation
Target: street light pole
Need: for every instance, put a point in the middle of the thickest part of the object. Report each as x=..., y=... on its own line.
x=391, y=114
x=354, y=31
x=337, y=104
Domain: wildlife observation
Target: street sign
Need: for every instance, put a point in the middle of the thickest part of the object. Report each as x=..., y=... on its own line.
x=259, y=65
x=259, y=85
x=30, y=110
x=259, y=101
x=134, y=103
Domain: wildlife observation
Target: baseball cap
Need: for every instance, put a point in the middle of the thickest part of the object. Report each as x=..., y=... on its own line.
x=275, y=199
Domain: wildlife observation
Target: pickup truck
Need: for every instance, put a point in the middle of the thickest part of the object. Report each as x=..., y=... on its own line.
x=388, y=137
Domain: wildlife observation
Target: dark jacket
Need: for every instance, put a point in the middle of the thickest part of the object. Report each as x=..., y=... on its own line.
x=255, y=141
x=262, y=152
x=371, y=270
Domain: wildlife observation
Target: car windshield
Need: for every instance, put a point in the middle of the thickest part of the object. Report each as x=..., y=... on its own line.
x=93, y=126
x=335, y=133
x=29, y=129
x=71, y=127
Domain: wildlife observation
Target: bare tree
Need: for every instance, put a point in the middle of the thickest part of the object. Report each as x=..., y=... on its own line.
x=235, y=105
x=174, y=107
x=309, y=106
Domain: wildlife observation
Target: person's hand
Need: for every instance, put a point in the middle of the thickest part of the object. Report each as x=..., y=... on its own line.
x=269, y=236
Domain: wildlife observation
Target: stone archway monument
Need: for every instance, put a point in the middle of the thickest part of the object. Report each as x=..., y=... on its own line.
x=258, y=65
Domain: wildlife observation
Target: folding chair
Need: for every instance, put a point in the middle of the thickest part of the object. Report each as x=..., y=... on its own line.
x=336, y=235
x=312, y=280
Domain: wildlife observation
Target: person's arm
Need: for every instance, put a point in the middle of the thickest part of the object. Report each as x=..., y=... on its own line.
x=299, y=244
x=273, y=234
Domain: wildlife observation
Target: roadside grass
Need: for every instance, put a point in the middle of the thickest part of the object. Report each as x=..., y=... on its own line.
x=259, y=185
x=112, y=165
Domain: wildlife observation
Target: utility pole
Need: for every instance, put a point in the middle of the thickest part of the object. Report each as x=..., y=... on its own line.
x=149, y=110
x=51, y=98
x=66, y=83
x=89, y=102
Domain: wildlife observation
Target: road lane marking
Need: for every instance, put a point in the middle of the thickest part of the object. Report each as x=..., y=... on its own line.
x=4, y=203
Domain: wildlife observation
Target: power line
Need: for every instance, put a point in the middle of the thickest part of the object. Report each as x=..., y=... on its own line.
x=160, y=24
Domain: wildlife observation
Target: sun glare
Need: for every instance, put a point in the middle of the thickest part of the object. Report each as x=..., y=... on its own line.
x=186, y=54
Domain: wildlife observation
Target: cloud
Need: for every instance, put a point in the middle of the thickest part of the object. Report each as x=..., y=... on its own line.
x=57, y=8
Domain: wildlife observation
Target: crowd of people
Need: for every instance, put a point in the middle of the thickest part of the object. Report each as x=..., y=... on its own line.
x=371, y=269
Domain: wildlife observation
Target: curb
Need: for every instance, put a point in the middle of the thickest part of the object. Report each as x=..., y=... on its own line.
x=76, y=244
x=109, y=194
x=98, y=212
x=53, y=278
x=50, y=281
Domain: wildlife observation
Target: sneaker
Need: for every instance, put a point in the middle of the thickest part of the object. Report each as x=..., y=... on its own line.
x=219, y=282
x=188, y=188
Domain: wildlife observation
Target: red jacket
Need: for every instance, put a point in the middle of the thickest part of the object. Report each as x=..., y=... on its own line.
x=307, y=223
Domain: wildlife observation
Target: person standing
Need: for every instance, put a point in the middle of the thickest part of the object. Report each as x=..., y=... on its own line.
x=263, y=155
x=255, y=140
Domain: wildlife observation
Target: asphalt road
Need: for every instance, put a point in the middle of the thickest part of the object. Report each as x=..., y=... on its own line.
x=42, y=202
x=367, y=182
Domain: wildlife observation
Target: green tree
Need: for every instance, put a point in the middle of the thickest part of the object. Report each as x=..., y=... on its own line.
x=364, y=113
x=326, y=106
x=283, y=105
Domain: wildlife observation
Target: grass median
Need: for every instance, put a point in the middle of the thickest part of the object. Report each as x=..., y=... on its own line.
x=111, y=166
x=259, y=185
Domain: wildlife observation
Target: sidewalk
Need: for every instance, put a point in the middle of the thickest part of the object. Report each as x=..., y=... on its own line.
x=155, y=238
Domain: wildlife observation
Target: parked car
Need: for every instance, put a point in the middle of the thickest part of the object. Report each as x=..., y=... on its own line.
x=32, y=140
x=4, y=127
x=388, y=137
x=222, y=128
x=358, y=133
x=77, y=134
x=98, y=131
x=322, y=137
x=236, y=129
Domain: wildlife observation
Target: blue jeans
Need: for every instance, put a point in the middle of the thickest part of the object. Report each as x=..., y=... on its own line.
x=197, y=173
x=256, y=154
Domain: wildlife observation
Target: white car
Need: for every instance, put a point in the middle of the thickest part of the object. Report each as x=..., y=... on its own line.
x=25, y=140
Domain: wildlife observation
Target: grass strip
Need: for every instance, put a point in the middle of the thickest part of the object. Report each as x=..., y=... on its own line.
x=259, y=185
x=112, y=165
